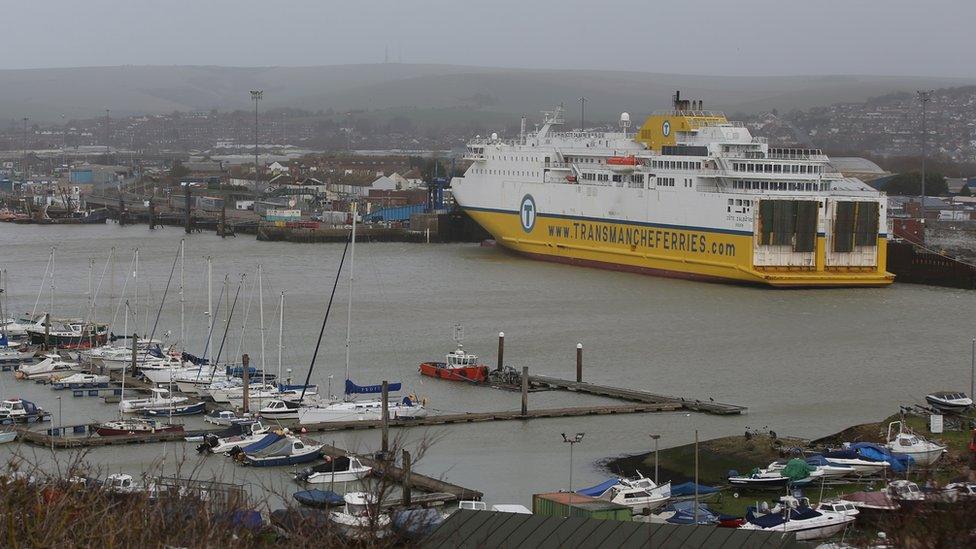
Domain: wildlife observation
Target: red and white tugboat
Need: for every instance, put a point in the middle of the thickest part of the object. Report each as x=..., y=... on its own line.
x=458, y=365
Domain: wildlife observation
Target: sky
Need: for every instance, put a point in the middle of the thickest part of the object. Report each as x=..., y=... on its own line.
x=711, y=37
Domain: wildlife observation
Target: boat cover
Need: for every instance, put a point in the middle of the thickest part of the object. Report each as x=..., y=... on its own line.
x=819, y=460
x=417, y=523
x=249, y=519
x=684, y=513
x=338, y=464
x=279, y=448
x=797, y=469
x=874, y=499
x=775, y=519
x=266, y=441
x=187, y=357
x=688, y=489
x=317, y=498
x=353, y=389
x=874, y=452
x=286, y=387
x=3, y=341
x=599, y=489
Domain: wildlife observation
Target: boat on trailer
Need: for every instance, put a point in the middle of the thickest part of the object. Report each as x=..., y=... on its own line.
x=907, y=443
x=797, y=517
x=952, y=402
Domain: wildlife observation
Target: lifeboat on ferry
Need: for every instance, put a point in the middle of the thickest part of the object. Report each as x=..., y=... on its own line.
x=623, y=163
x=459, y=366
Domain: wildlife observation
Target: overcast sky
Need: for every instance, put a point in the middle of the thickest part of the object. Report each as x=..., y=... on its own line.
x=743, y=37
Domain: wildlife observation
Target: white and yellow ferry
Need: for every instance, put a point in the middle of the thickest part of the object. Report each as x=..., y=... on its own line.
x=691, y=195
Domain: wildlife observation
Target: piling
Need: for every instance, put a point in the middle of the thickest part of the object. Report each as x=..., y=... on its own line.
x=135, y=342
x=121, y=209
x=246, y=376
x=406, y=478
x=386, y=417
x=152, y=215
x=579, y=363
x=47, y=331
x=501, y=350
x=525, y=390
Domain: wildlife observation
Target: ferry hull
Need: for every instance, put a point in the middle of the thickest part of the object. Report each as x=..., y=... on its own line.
x=698, y=254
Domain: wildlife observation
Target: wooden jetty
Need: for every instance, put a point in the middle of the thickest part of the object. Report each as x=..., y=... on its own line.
x=636, y=395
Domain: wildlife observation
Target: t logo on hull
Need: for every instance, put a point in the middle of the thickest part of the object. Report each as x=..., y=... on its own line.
x=527, y=213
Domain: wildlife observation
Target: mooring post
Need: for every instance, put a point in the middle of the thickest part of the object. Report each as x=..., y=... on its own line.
x=406, y=478
x=47, y=331
x=501, y=350
x=525, y=390
x=386, y=417
x=246, y=376
x=579, y=363
x=152, y=215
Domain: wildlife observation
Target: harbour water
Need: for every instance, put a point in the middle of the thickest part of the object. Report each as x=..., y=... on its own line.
x=805, y=362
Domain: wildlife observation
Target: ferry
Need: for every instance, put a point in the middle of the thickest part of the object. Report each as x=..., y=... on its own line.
x=690, y=194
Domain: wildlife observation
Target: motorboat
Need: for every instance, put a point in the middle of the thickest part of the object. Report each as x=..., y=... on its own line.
x=829, y=470
x=965, y=491
x=158, y=399
x=360, y=518
x=640, y=494
x=457, y=366
x=68, y=333
x=796, y=516
x=338, y=469
x=80, y=381
x=184, y=409
x=361, y=410
x=52, y=365
x=859, y=465
x=18, y=410
x=472, y=505
x=290, y=450
x=121, y=484
x=952, y=402
x=795, y=473
x=905, y=492
x=194, y=381
x=249, y=435
x=906, y=443
x=136, y=426
x=839, y=506
x=225, y=418
x=279, y=409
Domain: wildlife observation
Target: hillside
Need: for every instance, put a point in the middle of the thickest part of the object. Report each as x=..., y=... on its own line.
x=45, y=94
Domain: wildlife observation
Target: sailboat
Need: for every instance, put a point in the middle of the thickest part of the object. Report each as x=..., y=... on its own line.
x=349, y=409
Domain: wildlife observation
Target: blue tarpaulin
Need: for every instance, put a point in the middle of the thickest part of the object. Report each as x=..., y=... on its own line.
x=353, y=389
x=268, y=440
x=688, y=489
x=595, y=491
x=899, y=464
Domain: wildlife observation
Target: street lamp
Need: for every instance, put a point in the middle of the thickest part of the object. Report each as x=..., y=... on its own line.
x=655, y=438
x=572, y=441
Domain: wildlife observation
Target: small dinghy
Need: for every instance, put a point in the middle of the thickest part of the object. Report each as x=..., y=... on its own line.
x=318, y=498
x=950, y=402
x=340, y=469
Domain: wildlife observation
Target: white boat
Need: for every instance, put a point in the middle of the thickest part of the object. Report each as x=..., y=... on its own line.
x=358, y=410
x=839, y=506
x=905, y=491
x=7, y=435
x=827, y=469
x=952, y=402
x=640, y=494
x=360, y=518
x=80, y=379
x=51, y=366
x=797, y=517
x=279, y=409
x=906, y=443
x=225, y=418
x=194, y=381
x=158, y=399
x=861, y=467
x=20, y=410
x=120, y=483
x=252, y=434
x=339, y=469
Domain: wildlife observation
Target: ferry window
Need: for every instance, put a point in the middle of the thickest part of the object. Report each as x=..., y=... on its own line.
x=777, y=168
x=803, y=169
x=697, y=165
x=765, y=186
x=751, y=167
x=768, y=168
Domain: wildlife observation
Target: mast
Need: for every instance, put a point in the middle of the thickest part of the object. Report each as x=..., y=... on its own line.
x=352, y=270
x=122, y=393
x=281, y=324
x=209, y=306
x=261, y=320
x=52, y=285
x=91, y=290
x=135, y=294
x=182, y=303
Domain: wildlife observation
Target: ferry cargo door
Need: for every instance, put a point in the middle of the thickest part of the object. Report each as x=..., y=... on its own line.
x=852, y=240
x=786, y=233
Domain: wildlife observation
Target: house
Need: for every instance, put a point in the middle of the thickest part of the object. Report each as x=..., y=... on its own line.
x=385, y=183
x=277, y=167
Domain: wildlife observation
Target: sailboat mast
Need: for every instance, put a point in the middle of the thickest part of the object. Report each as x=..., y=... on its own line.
x=209, y=307
x=91, y=289
x=281, y=325
x=264, y=370
x=182, y=302
x=51, y=309
x=135, y=292
x=352, y=270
